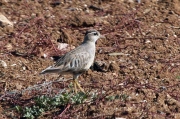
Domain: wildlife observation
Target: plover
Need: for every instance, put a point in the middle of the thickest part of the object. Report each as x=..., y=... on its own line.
x=77, y=60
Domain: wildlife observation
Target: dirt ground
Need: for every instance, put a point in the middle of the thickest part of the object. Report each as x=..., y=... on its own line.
x=138, y=62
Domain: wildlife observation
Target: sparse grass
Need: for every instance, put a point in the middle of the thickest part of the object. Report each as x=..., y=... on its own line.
x=41, y=99
x=45, y=103
x=178, y=78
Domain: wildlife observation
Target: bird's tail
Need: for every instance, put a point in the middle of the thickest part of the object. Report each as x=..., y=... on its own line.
x=50, y=70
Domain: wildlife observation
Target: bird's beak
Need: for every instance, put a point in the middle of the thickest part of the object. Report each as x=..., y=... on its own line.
x=102, y=36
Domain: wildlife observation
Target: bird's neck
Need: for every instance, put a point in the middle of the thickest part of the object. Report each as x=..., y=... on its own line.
x=90, y=45
x=89, y=42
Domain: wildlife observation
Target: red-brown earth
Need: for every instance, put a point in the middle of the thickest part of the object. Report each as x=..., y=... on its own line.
x=139, y=59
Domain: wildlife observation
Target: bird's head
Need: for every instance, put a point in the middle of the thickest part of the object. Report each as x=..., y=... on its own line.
x=92, y=36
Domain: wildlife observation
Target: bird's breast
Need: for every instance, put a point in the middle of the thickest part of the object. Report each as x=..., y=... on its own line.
x=90, y=60
x=89, y=63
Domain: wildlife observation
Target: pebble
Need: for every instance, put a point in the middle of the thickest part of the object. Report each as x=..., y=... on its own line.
x=3, y=64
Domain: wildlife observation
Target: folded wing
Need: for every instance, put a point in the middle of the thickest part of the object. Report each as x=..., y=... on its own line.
x=70, y=62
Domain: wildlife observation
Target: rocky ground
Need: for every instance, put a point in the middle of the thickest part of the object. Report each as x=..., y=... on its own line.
x=136, y=71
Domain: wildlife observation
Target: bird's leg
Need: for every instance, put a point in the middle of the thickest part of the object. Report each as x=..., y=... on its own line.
x=75, y=88
x=79, y=86
x=75, y=77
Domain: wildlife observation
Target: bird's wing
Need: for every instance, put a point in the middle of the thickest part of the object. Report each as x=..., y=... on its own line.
x=73, y=61
x=76, y=60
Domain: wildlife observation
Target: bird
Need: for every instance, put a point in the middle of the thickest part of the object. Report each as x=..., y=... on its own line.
x=78, y=60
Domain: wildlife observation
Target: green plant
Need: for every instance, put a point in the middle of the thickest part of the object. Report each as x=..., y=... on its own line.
x=178, y=78
x=124, y=97
x=113, y=97
x=78, y=98
x=44, y=103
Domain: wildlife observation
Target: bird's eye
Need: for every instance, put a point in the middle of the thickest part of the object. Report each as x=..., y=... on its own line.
x=95, y=34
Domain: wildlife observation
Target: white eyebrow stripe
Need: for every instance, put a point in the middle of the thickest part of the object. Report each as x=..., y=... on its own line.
x=92, y=32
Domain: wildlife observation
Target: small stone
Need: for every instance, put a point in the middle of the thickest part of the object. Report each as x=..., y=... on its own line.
x=131, y=67
x=13, y=65
x=100, y=66
x=4, y=21
x=62, y=46
x=3, y=64
x=6, y=26
x=147, y=41
x=24, y=68
x=113, y=67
